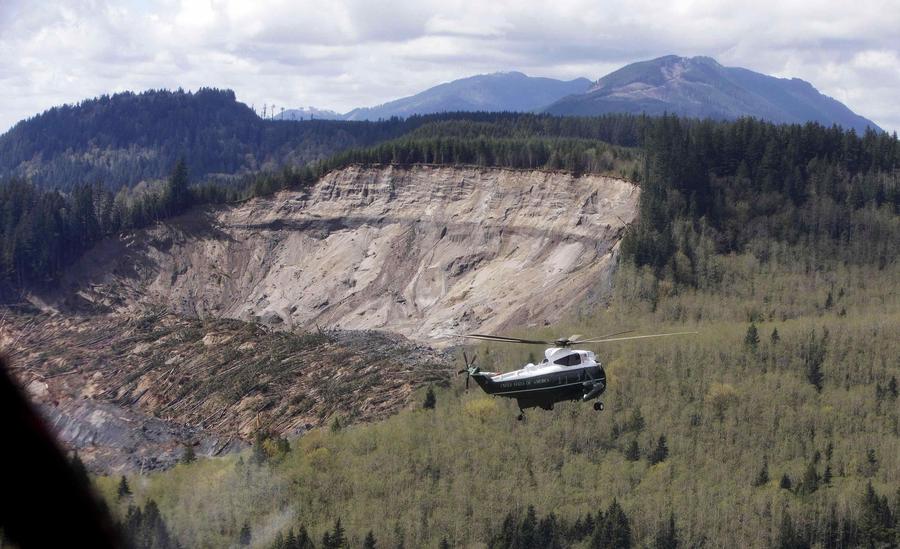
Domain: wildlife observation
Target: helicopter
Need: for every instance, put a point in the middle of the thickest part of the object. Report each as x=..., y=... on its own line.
x=564, y=374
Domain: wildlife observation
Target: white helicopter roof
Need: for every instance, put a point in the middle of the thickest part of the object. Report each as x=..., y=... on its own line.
x=555, y=352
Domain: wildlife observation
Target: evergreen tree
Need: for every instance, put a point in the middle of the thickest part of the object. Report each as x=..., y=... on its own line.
x=815, y=357
x=831, y=533
x=507, y=535
x=80, y=470
x=667, y=536
x=661, y=452
x=244, y=537
x=751, y=339
x=762, y=478
x=876, y=522
x=123, y=490
x=259, y=454
x=369, y=542
x=633, y=453
x=870, y=465
x=788, y=537
x=337, y=539
x=177, y=195
x=810, y=481
x=527, y=530
x=303, y=539
x=775, y=337
x=430, y=399
x=188, y=456
x=590, y=525
x=582, y=528
x=613, y=530
x=146, y=529
x=826, y=476
x=549, y=533
x=637, y=422
x=785, y=483
x=444, y=544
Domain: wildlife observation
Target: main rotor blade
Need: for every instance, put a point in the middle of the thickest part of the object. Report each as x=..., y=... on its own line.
x=466, y=358
x=635, y=337
x=508, y=339
x=475, y=356
x=604, y=336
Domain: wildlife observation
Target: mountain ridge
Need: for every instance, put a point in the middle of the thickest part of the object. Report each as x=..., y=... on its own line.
x=499, y=91
x=700, y=87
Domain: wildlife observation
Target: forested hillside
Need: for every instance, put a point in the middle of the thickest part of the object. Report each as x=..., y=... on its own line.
x=713, y=189
x=126, y=138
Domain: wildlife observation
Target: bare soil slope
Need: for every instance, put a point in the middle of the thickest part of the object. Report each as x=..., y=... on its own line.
x=427, y=252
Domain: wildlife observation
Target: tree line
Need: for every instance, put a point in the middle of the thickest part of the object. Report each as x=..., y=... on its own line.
x=718, y=188
x=42, y=232
x=574, y=155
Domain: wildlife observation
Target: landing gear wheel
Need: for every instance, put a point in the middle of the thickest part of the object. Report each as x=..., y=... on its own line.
x=598, y=406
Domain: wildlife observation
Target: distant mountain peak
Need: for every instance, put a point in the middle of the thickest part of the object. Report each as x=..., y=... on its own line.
x=701, y=87
x=498, y=91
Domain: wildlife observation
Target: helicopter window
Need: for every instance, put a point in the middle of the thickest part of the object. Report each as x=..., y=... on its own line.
x=569, y=360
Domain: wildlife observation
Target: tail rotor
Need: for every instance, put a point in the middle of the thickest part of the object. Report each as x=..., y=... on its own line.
x=470, y=368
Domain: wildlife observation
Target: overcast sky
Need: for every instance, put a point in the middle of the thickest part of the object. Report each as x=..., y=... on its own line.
x=341, y=54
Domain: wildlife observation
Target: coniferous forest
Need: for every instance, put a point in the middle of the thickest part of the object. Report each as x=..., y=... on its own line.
x=123, y=139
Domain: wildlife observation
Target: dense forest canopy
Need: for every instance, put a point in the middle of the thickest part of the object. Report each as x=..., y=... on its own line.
x=126, y=138
x=712, y=188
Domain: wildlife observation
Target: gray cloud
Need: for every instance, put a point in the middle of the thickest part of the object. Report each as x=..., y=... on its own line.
x=349, y=53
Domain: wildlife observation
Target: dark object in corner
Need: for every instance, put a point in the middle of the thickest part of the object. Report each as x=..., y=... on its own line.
x=44, y=502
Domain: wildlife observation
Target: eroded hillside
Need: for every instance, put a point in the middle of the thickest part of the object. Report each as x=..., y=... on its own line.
x=427, y=252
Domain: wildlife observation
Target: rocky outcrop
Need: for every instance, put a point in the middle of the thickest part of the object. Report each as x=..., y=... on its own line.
x=427, y=252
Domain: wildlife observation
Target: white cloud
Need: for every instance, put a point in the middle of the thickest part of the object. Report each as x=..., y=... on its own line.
x=349, y=53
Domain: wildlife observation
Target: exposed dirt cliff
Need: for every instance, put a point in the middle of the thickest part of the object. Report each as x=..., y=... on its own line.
x=426, y=252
